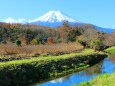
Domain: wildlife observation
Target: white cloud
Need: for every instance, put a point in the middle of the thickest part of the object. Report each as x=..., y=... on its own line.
x=30, y=21
x=11, y=20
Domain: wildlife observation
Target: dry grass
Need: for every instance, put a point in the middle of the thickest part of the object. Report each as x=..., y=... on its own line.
x=11, y=49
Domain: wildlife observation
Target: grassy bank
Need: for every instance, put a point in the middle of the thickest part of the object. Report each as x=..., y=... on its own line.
x=110, y=50
x=5, y=58
x=24, y=72
x=102, y=80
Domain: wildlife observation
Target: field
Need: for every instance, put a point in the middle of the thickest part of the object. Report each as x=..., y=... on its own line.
x=20, y=66
x=11, y=49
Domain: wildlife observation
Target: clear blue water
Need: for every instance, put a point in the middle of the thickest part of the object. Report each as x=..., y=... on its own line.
x=105, y=66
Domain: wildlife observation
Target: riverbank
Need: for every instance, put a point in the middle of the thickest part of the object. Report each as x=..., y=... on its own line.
x=27, y=71
x=105, y=79
x=101, y=80
x=110, y=50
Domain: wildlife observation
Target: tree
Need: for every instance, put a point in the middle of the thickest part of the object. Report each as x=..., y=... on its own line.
x=50, y=40
x=66, y=24
x=83, y=43
x=110, y=39
x=18, y=43
x=73, y=34
x=87, y=35
x=35, y=41
x=63, y=29
x=96, y=44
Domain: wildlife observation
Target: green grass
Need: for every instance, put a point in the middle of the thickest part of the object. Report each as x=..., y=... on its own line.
x=101, y=80
x=111, y=50
x=42, y=58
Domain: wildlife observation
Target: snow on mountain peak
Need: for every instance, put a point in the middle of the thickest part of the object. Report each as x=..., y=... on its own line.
x=54, y=16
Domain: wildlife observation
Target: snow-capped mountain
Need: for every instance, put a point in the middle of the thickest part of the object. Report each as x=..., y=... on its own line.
x=56, y=18
x=53, y=19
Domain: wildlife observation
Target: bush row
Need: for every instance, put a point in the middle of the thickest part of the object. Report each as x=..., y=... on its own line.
x=10, y=58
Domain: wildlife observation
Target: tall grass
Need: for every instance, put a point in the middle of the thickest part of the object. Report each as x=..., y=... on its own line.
x=9, y=49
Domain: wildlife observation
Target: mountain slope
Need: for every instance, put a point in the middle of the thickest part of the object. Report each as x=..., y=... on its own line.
x=107, y=30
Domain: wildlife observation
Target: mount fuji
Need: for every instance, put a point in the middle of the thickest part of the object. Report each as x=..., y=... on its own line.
x=53, y=19
x=56, y=18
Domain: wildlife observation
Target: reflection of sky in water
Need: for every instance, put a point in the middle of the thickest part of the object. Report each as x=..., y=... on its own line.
x=75, y=78
x=106, y=66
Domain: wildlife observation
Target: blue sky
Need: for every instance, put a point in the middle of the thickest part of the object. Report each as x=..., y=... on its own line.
x=98, y=12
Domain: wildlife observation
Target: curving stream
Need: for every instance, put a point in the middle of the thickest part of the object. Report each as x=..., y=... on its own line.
x=105, y=66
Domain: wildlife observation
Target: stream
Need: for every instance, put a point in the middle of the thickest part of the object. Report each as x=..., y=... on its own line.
x=105, y=66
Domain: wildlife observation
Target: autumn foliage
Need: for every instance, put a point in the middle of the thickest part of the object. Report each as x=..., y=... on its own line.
x=32, y=34
x=50, y=40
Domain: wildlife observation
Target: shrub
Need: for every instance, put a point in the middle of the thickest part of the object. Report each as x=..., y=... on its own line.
x=18, y=42
x=35, y=41
x=96, y=44
x=50, y=40
x=3, y=42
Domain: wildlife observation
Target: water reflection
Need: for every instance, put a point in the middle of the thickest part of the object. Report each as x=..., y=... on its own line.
x=96, y=69
x=60, y=80
x=105, y=66
x=112, y=59
x=108, y=66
